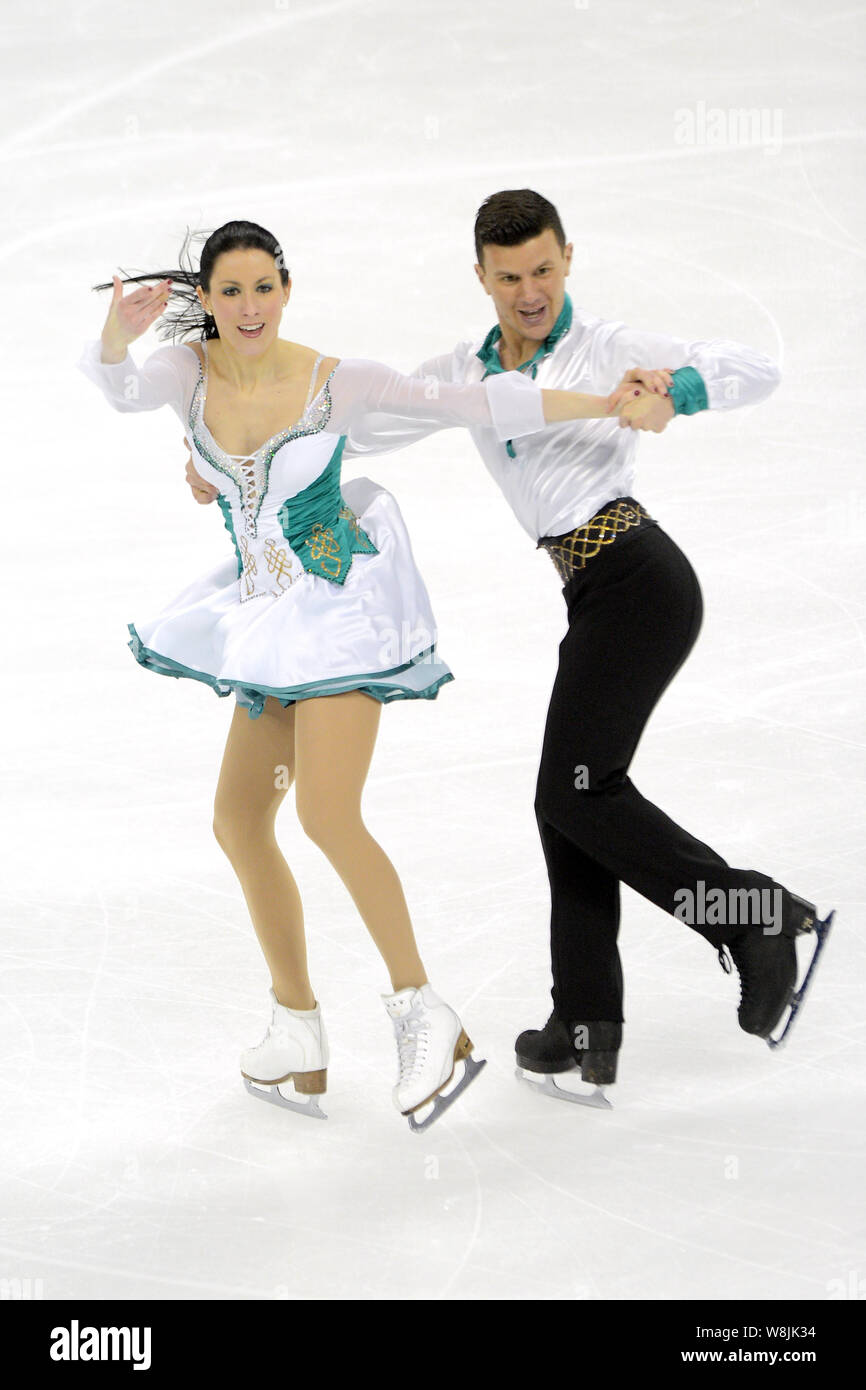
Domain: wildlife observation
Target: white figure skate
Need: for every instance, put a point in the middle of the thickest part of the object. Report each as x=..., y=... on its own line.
x=430, y=1042
x=294, y=1051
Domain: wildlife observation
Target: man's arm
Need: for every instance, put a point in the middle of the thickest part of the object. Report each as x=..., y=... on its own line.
x=201, y=491
x=732, y=373
x=715, y=374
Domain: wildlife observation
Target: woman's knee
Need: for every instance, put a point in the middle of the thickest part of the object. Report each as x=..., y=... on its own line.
x=236, y=824
x=325, y=823
x=226, y=828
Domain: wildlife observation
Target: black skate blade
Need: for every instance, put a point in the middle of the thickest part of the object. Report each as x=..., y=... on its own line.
x=596, y=1098
x=822, y=931
x=274, y=1096
x=440, y=1103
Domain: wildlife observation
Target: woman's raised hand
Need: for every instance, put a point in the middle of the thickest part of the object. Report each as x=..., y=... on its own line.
x=131, y=315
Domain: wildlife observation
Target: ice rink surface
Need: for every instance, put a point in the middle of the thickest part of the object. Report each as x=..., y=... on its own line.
x=365, y=133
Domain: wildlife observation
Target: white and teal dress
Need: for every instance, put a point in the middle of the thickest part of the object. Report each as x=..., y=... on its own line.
x=319, y=593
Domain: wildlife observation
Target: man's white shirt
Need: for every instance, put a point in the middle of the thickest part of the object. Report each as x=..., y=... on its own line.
x=559, y=478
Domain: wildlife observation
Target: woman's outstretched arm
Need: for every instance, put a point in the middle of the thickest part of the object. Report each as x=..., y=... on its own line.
x=578, y=405
x=509, y=403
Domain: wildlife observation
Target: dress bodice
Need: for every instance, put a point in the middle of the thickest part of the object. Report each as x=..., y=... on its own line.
x=274, y=471
x=282, y=504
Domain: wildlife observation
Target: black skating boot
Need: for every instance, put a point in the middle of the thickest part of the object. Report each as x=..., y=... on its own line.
x=548, y=1049
x=601, y=1044
x=561, y=1046
x=767, y=966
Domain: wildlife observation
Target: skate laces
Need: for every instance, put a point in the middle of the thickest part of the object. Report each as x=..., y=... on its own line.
x=728, y=957
x=413, y=1036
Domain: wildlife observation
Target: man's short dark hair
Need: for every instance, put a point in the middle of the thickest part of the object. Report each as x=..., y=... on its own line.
x=512, y=217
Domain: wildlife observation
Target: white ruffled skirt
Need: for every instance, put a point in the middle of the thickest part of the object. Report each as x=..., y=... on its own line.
x=375, y=632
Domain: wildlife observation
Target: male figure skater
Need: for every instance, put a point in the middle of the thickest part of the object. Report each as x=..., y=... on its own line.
x=634, y=611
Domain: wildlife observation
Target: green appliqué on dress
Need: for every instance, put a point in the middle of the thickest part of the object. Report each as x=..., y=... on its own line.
x=323, y=532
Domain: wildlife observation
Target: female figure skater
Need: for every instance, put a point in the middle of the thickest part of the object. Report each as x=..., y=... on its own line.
x=306, y=624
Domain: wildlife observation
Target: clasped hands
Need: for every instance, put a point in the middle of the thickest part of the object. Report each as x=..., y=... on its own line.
x=640, y=400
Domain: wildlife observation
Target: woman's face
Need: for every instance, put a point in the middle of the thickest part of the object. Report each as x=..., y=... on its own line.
x=246, y=297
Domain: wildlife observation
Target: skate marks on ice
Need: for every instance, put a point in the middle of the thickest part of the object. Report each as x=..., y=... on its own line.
x=261, y=28
x=655, y=1199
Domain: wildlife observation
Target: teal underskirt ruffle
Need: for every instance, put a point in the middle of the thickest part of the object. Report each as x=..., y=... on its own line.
x=381, y=685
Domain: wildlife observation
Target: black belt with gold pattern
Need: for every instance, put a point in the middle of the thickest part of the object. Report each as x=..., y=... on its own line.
x=573, y=551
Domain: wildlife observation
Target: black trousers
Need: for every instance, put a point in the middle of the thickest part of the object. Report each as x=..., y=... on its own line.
x=634, y=613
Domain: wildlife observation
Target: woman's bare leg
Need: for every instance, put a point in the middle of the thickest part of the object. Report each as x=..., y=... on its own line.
x=245, y=808
x=334, y=741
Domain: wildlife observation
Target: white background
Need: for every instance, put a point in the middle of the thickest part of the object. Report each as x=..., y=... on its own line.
x=364, y=134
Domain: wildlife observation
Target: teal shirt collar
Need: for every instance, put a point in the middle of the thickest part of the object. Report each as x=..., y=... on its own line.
x=490, y=357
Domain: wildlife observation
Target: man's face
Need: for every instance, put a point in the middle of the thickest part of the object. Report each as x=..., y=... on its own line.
x=527, y=283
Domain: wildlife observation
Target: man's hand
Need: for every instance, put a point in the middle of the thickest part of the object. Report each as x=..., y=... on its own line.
x=646, y=412
x=642, y=401
x=659, y=382
x=636, y=381
x=201, y=491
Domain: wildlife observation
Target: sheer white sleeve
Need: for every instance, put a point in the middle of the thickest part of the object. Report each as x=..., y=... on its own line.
x=732, y=373
x=508, y=403
x=167, y=377
x=378, y=433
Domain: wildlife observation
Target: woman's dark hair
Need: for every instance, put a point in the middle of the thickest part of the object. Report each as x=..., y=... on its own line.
x=188, y=319
x=512, y=217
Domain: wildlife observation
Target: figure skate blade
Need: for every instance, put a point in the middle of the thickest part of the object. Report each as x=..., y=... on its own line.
x=440, y=1102
x=548, y=1087
x=274, y=1096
